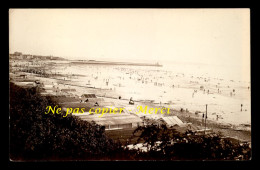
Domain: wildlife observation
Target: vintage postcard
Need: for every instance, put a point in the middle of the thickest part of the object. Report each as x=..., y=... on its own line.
x=129, y=84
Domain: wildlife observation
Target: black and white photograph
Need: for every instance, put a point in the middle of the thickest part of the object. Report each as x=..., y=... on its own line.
x=128, y=84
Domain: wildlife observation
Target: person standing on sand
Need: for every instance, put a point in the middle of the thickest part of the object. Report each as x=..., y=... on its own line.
x=241, y=107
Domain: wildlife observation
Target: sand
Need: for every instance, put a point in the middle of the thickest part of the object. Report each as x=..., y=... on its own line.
x=157, y=87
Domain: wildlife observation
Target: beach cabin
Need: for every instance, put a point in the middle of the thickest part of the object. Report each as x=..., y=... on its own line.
x=65, y=99
x=112, y=121
x=23, y=76
x=25, y=84
x=72, y=105
x=88, y=96
x=19, y=76
x=172, y=121
x=68, y=90
x=178, y=125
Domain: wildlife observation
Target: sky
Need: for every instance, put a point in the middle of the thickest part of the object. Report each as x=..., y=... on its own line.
x=210, y=36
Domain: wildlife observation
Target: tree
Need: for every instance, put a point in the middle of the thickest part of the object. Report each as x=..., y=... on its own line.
x=35, y=135
x=176, y=146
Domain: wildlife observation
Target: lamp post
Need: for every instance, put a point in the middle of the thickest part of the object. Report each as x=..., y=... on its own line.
x=206, y=119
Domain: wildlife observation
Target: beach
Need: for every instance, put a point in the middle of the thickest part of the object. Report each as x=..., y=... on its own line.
x=156, y=87
x=177, y=89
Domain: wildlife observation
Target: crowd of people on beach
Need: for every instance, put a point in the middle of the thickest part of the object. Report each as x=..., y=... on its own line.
x=117, y=78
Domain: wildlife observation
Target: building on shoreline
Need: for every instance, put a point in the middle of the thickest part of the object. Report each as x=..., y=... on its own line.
x=21, y=56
